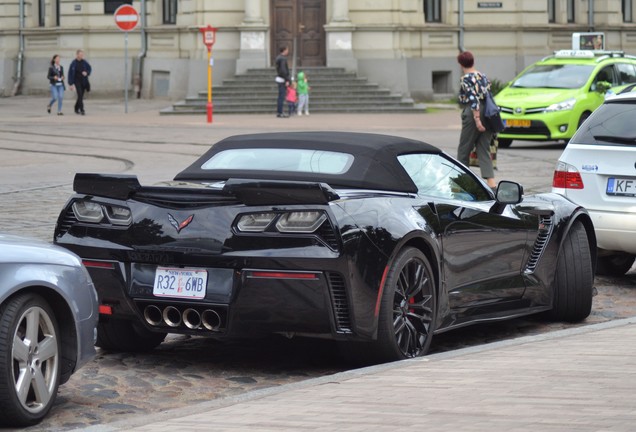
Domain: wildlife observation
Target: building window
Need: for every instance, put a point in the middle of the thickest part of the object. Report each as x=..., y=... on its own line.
x=627, y=11
x=57, y=13
x=169, y=11
x=41, y=12
x=551, y=11
x=111, y=6
x=570, y=10
x=433, y=10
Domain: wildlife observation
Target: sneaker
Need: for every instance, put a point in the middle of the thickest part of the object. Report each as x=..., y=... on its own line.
x=60, y=113
x=48, y=109
x=282, y=115
x=299, y=113
x=306, y=112
x=83, y=113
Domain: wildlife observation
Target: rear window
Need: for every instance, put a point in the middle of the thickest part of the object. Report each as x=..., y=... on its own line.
x=612, y=124
x=566, y=76
x=276, y=159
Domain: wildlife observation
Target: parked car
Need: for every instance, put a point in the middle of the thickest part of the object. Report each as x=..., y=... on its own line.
x=598, y=171
x=550, y=99
x=375, y=241
x=48, y=317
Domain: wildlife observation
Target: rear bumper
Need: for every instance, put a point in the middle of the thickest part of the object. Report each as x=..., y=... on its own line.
x=615, y=231
x=246, y=302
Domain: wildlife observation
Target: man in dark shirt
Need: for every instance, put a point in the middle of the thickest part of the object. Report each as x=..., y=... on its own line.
x=78, y=74
x=282, y=78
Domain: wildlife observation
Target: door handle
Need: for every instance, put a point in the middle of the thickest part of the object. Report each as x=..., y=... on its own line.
x=301, y=27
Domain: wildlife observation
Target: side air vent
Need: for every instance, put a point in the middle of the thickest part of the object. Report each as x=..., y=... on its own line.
x=328, y=235
x=66, y=222
x=340, y=303
x=545, y=229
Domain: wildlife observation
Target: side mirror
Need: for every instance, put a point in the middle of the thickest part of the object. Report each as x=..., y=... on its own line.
x=602, y=86
x=509, y=192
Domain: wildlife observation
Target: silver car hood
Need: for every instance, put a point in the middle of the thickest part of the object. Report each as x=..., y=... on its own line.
x=14, y=249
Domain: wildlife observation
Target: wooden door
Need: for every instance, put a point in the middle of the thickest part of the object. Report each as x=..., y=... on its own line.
x=302, y=21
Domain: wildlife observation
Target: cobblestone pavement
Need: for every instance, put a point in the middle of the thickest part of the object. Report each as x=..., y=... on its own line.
x=38, y=158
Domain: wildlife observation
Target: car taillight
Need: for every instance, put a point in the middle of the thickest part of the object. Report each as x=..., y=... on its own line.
x=566, y=176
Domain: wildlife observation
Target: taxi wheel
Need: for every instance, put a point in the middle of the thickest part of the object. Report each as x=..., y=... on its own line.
x=504, y=142
x=584, y=117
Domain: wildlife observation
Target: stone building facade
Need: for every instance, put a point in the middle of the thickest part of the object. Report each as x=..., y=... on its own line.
x=406, y=45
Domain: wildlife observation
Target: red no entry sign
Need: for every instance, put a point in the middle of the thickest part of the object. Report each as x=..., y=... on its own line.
x=126, y=17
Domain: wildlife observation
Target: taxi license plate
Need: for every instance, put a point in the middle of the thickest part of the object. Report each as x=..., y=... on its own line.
x=518, y=123
x=180, y=283
x=621, y=187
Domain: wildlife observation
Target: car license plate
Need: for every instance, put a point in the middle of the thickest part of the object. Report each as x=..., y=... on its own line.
x=180, y=283
x=621, y=187
x=518, y=123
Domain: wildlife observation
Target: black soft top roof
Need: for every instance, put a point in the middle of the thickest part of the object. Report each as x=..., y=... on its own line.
x=375, y=164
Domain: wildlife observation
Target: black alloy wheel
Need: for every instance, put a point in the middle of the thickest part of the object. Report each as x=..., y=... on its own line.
x=407, y=314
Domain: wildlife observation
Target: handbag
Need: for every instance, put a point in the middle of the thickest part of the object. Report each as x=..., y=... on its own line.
x=492, y=115
x=473, y=160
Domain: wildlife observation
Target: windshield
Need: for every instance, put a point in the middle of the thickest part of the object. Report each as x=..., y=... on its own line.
x=567, y=76
x=276, y=159
x=613, y=123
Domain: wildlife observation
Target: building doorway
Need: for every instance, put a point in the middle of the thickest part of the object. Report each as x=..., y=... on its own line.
x=301, y=21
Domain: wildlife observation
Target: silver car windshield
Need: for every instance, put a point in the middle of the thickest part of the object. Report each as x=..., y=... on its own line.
x=275, y=159
x=566, y=76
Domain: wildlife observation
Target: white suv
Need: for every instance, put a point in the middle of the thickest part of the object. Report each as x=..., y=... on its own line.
x=598, y=171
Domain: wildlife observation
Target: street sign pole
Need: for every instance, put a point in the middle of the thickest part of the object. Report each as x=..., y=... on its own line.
x=126, y=18
x=209, y=37
x=126, y=73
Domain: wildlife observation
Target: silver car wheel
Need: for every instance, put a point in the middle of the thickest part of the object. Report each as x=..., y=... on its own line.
x=36, y=359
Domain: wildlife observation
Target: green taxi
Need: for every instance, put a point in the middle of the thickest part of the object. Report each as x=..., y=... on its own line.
x=550, y=99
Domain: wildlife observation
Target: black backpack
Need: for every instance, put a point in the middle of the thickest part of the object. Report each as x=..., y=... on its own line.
x=491, y=115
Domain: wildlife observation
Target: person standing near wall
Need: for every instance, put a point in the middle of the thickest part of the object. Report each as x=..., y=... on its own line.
x=473, y=88
x=55, y=76
x=78, y=74
x=282, y=79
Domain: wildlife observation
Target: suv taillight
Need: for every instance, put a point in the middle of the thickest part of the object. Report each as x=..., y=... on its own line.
x=566, y=176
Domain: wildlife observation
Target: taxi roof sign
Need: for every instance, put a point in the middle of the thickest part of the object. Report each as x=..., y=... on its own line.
x=574, y=54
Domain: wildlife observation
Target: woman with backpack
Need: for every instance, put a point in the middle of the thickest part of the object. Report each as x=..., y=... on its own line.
x=473, y=88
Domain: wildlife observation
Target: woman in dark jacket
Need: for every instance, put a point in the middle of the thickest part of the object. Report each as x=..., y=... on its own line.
x=56, y=79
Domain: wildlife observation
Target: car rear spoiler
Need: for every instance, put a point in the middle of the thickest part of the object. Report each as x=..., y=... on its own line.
x=247, y=191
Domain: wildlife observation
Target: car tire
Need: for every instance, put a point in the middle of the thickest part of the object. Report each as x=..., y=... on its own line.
x=127, y=336
x=407, y=312
x=614, y=265
x=584, y=117
x=30, y=360
x=574, y=280
x=504, y=142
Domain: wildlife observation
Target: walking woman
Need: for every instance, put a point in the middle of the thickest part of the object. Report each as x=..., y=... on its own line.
x=473, y=88
x=56, y=78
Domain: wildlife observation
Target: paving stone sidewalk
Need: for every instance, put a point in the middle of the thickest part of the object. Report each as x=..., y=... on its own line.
x=579, y=379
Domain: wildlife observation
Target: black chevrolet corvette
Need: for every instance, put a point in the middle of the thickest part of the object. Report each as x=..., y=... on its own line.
x=375, y=241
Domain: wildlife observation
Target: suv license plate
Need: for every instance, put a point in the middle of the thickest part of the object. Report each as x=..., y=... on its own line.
x=180, y=283
x=621, y=187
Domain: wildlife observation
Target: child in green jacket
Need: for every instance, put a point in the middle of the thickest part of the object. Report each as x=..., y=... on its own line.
x=303, y=93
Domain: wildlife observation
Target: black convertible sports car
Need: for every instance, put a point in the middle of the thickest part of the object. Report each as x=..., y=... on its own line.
x=372, y=240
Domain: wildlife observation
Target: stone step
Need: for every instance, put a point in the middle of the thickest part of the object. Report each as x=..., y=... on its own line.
x=332, y=90
x=272, y=110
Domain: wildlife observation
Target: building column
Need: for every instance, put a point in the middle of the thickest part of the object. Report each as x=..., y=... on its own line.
x=253, y=50
x=339, y=37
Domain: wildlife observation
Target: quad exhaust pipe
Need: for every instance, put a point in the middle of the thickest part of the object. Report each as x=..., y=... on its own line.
x=208, y=319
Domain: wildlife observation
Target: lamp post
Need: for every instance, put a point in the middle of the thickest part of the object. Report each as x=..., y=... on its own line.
x=209, y=37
